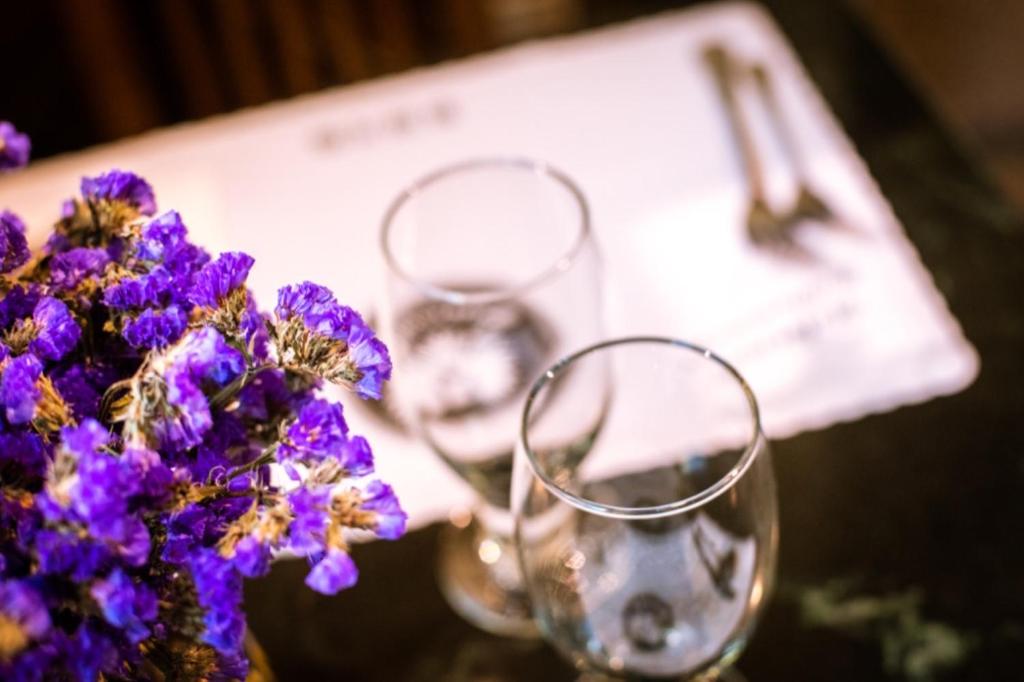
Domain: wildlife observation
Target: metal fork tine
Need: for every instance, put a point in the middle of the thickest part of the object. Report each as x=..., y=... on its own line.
x=809, y=206
x=769, y=231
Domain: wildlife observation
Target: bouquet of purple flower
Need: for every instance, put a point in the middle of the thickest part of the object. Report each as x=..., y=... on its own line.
x=144, y=404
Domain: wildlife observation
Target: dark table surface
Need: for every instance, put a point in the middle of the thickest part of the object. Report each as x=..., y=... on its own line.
x=902, y=534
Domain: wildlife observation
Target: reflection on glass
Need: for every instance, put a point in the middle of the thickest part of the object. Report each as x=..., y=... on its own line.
x=492, y=275
x=651, y=555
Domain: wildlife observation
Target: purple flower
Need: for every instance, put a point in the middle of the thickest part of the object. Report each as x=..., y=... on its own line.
x=185, y=529
x=67, y=553
x=319, y=310
x=216, y=280
x=14, y=147
x=358, y=359
x=266, y=395
x=161, y=235
x=18, y=303
x=219, y=589
x=126, y=604
x=154, y=328
x=22, y=605
x=93, y=650
x=84, y=440
x=165, y=242
x=309, y=519
x=151, y=477
x=13, y=245
x=371, y=358
x=300, y=299
x=233, y=666
x=131, y=540
x=380, y=499
x=18, y=391
x=227, y=434
x=356, y=457
x=57, y=332
x=76, y=387
x=253, y=326
x=24, y=448
x=120, y=186
x=202, y=359
x=334, y=572
x=205, y=357
x=191, y=417
x=319, y=431
x=101, y=495
x=71, y=268
x=122, y=533
x=252, y=557
x=145, y=291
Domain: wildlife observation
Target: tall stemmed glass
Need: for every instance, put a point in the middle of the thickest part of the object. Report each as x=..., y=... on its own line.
x=651, y=556
x=493, y=274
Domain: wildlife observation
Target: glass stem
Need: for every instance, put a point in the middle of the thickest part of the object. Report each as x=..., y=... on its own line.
x=495, y=546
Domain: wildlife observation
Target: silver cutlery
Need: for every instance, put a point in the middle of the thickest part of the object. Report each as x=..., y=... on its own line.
x=765, y=227
x=808, y=206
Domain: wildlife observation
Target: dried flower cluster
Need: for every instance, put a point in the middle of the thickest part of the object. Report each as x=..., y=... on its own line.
x=144, y=403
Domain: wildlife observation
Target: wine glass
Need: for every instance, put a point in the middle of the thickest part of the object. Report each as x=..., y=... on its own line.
x=492, y=275
x=651, y=555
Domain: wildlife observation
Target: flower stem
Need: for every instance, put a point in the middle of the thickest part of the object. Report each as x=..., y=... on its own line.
x=266, y=457
x=225, y=395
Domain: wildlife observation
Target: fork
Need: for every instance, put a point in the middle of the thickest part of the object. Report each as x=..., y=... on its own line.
x=765, y=227
x=808, y=206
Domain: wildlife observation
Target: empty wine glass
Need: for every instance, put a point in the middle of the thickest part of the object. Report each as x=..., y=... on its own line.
x=492, y=275
x=652, y=555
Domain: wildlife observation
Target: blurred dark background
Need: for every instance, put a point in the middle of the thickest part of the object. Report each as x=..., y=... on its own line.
x=83, y=72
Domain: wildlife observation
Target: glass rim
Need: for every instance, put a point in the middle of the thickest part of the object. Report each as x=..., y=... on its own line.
x=754, y=444
x=560, y=264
